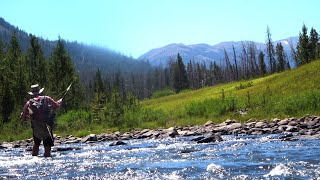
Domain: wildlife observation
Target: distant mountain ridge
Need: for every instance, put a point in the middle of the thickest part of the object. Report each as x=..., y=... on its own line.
x=205, y=53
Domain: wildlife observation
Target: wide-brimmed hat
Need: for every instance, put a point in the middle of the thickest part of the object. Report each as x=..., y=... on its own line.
x=35, y=89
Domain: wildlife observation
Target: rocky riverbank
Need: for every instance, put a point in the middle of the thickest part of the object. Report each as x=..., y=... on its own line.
x=291, y=128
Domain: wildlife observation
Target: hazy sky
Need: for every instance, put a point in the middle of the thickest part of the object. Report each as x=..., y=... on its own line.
x=133, y=27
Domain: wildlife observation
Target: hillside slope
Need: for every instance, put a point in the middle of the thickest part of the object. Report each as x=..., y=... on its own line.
x=291, y=93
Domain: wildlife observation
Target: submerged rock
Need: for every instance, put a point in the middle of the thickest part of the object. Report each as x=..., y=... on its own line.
x=90, y=137
x=117, y=143
x=172, y=132
x=212, y=138
x=67, y=148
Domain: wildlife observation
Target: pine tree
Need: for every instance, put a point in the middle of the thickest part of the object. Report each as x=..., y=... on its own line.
x=263, y=69
x=313, y=42
x=62, y=73
x=16, y=70
x=217, y=73
x=281, y=66
x=114, y=111
x=302, y=47
x=180, y=75
x=36, y=63
x=7, y=102
x=99, y=88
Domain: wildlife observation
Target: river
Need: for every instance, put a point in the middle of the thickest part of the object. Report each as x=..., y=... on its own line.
x=237, y=157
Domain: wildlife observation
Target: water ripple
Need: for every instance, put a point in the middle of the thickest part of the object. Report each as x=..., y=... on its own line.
x=245, y=157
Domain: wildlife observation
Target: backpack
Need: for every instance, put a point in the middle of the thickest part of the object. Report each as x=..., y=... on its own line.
x=41, y=110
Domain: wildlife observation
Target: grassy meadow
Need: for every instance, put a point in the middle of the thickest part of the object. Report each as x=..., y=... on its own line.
x=291, y=93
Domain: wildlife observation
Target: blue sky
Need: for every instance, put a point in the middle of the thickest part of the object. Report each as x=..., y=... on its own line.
x=133, y=27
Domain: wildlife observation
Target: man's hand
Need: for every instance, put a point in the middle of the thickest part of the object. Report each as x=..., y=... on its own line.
x=60, y=101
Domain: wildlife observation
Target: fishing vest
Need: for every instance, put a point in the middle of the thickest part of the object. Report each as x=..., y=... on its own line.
x=40, y=117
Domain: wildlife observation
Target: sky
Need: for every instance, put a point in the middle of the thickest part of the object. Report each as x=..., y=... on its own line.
x=133, y=27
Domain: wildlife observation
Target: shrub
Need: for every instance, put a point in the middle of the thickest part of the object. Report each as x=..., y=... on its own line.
x=162, y=93
x=244, y=86
x=74, y=120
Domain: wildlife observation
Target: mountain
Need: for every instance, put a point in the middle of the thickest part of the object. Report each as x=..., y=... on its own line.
x=86, y=58
x=204, y=53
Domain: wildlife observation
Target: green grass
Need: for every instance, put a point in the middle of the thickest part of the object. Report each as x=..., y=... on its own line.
x=291, y=93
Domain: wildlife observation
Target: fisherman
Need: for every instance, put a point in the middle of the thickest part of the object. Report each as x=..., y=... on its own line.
x=38, y=109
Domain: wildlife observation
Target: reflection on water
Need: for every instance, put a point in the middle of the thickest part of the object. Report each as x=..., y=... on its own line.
x=261, y=157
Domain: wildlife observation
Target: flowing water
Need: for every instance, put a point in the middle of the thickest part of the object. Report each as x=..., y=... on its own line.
x=245, y=157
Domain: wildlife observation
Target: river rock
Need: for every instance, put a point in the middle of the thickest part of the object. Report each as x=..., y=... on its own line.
x=29, y=148
x=292, y=129
x=7, y=145
x=208, y=123
x=172, y=132
x=212, y=138
x=260, y=125
x=126, y=136
x=67, y=148
x=72, y=141
x=90, y=137
x=198, y=138
x=230, y=121
x=283, y=122
x=117, y=143
x=234, y=126
x=293, y=123
x=148, y=134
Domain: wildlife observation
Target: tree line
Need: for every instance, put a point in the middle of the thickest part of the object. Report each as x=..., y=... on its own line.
x=251, y=63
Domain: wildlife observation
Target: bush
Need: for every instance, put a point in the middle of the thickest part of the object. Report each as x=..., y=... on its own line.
x=162, y=93
x=74, y=120
x=244, y=86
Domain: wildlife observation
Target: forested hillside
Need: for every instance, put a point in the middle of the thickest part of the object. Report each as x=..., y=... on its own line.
x=85, y=57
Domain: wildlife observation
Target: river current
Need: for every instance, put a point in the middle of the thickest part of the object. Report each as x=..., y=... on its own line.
x=237, y=157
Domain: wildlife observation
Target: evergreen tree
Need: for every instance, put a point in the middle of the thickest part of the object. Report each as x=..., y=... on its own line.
x=16, y=70
x=302, y=47
x=217, y=73
x=7, y=102
x=99, y=88
x=281, y=66
x=180, y=75
x=313, y=42
x=2, y=65
x=36, y=63
x=114, y=111
x=62, y=73
x=263, y=69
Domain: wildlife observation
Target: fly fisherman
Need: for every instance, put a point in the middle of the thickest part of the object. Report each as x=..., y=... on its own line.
x=38, y=109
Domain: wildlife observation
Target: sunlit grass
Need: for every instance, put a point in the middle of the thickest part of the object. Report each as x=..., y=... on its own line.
x=277, y=95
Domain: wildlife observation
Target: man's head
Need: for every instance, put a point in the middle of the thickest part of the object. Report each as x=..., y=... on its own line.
x=35, y=90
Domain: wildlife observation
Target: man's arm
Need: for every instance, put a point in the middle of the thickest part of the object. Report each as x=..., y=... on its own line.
x=25, y=114
x=54, y=104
